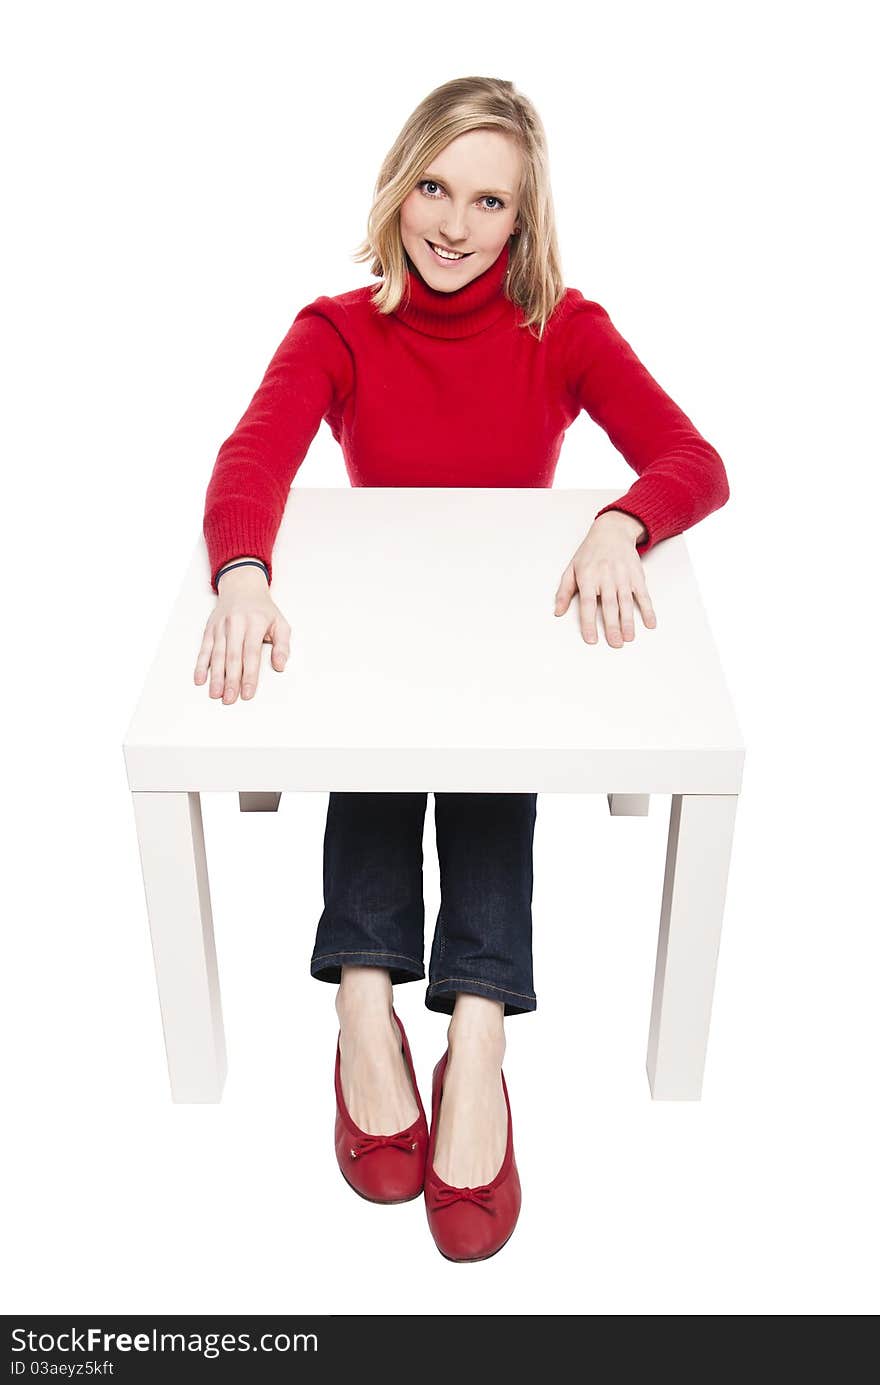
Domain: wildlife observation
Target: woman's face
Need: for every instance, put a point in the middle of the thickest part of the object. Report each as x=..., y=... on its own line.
x=464, y=201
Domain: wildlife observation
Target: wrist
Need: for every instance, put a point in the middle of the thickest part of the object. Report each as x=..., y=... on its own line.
x=246, y=575
x=629, y=524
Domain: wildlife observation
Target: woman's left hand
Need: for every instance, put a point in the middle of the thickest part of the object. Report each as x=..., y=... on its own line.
x=608, y=566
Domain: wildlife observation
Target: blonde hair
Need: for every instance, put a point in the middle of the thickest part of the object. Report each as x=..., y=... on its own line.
x=534, y=277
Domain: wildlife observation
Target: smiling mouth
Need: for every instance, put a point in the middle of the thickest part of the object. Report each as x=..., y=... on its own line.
x=452, y=254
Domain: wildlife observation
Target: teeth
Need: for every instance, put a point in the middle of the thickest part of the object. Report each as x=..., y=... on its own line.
x=445, y=253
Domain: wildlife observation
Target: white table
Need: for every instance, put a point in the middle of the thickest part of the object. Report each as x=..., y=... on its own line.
x=426, y=655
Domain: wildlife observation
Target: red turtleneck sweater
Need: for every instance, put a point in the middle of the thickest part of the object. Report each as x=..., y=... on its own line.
x=449, y=391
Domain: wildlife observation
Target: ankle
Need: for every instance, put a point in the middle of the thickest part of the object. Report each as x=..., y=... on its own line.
x=476, y=1023
x=476, y=1047
x=365, y=998
x=483, y=1045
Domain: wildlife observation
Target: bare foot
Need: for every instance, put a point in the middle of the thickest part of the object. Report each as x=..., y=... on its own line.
x=471, y=1138
x=375, y=1081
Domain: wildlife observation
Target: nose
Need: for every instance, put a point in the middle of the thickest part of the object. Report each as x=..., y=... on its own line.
x=454, y=228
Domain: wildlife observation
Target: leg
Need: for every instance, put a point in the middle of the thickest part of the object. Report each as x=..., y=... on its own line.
x=259, y=802
x=481, y=969
x=374, y=908
x=372, y=1069
x=634, y=805
x=371, y=934
x=697, y=865
x=483, y=936
x=172, y=850
x=472, y=1126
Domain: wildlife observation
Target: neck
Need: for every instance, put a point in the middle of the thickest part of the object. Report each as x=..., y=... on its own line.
x=462, y=312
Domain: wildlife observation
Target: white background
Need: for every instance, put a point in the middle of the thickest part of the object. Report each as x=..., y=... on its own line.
x=180, y=179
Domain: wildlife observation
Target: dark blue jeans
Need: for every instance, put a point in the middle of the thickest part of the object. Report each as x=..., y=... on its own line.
x=374, y=908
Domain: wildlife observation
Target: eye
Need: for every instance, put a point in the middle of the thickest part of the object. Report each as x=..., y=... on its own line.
x=489, y=197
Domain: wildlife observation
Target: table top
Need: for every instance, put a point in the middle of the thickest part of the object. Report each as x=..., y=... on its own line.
x=426, y=655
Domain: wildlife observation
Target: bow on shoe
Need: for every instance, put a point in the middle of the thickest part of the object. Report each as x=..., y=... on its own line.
x=365, y=1144
x=480, y=1197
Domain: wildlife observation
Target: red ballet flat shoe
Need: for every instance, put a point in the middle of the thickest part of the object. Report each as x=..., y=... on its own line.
x=382, y=1168
x=471, y=1223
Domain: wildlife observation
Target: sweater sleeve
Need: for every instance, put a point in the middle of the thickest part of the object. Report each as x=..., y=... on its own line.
x=310, y=373
x=682, y=478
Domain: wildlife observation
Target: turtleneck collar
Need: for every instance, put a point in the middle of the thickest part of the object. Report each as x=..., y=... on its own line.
x=461, y=312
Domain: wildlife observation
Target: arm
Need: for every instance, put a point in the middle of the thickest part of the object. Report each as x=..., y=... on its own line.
x=682, y=478
x=252, y=475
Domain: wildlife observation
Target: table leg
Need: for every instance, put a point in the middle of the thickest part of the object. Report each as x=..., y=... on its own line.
x=631, y=805
x=258, y=802
x=172, y=848
x=697, y=864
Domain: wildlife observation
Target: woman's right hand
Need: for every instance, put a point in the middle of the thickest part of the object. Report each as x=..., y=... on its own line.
x=244, y=619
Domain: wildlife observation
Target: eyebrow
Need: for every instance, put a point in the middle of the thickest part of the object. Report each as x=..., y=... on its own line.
x=485, y=192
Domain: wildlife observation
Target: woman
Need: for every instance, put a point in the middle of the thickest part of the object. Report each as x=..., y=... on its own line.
x=464, y=367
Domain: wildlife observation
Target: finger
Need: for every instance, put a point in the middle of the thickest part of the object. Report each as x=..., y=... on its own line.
x=646, y=607
x=253, y=644
x=610, y=614
x=588, y=610
x=204, y=656
x=218, y=663
x=624, y=601
x=234, y=643
x=280, y=644
x=565, y=591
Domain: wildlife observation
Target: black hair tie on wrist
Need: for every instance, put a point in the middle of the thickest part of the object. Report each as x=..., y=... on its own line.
x=245, y=562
